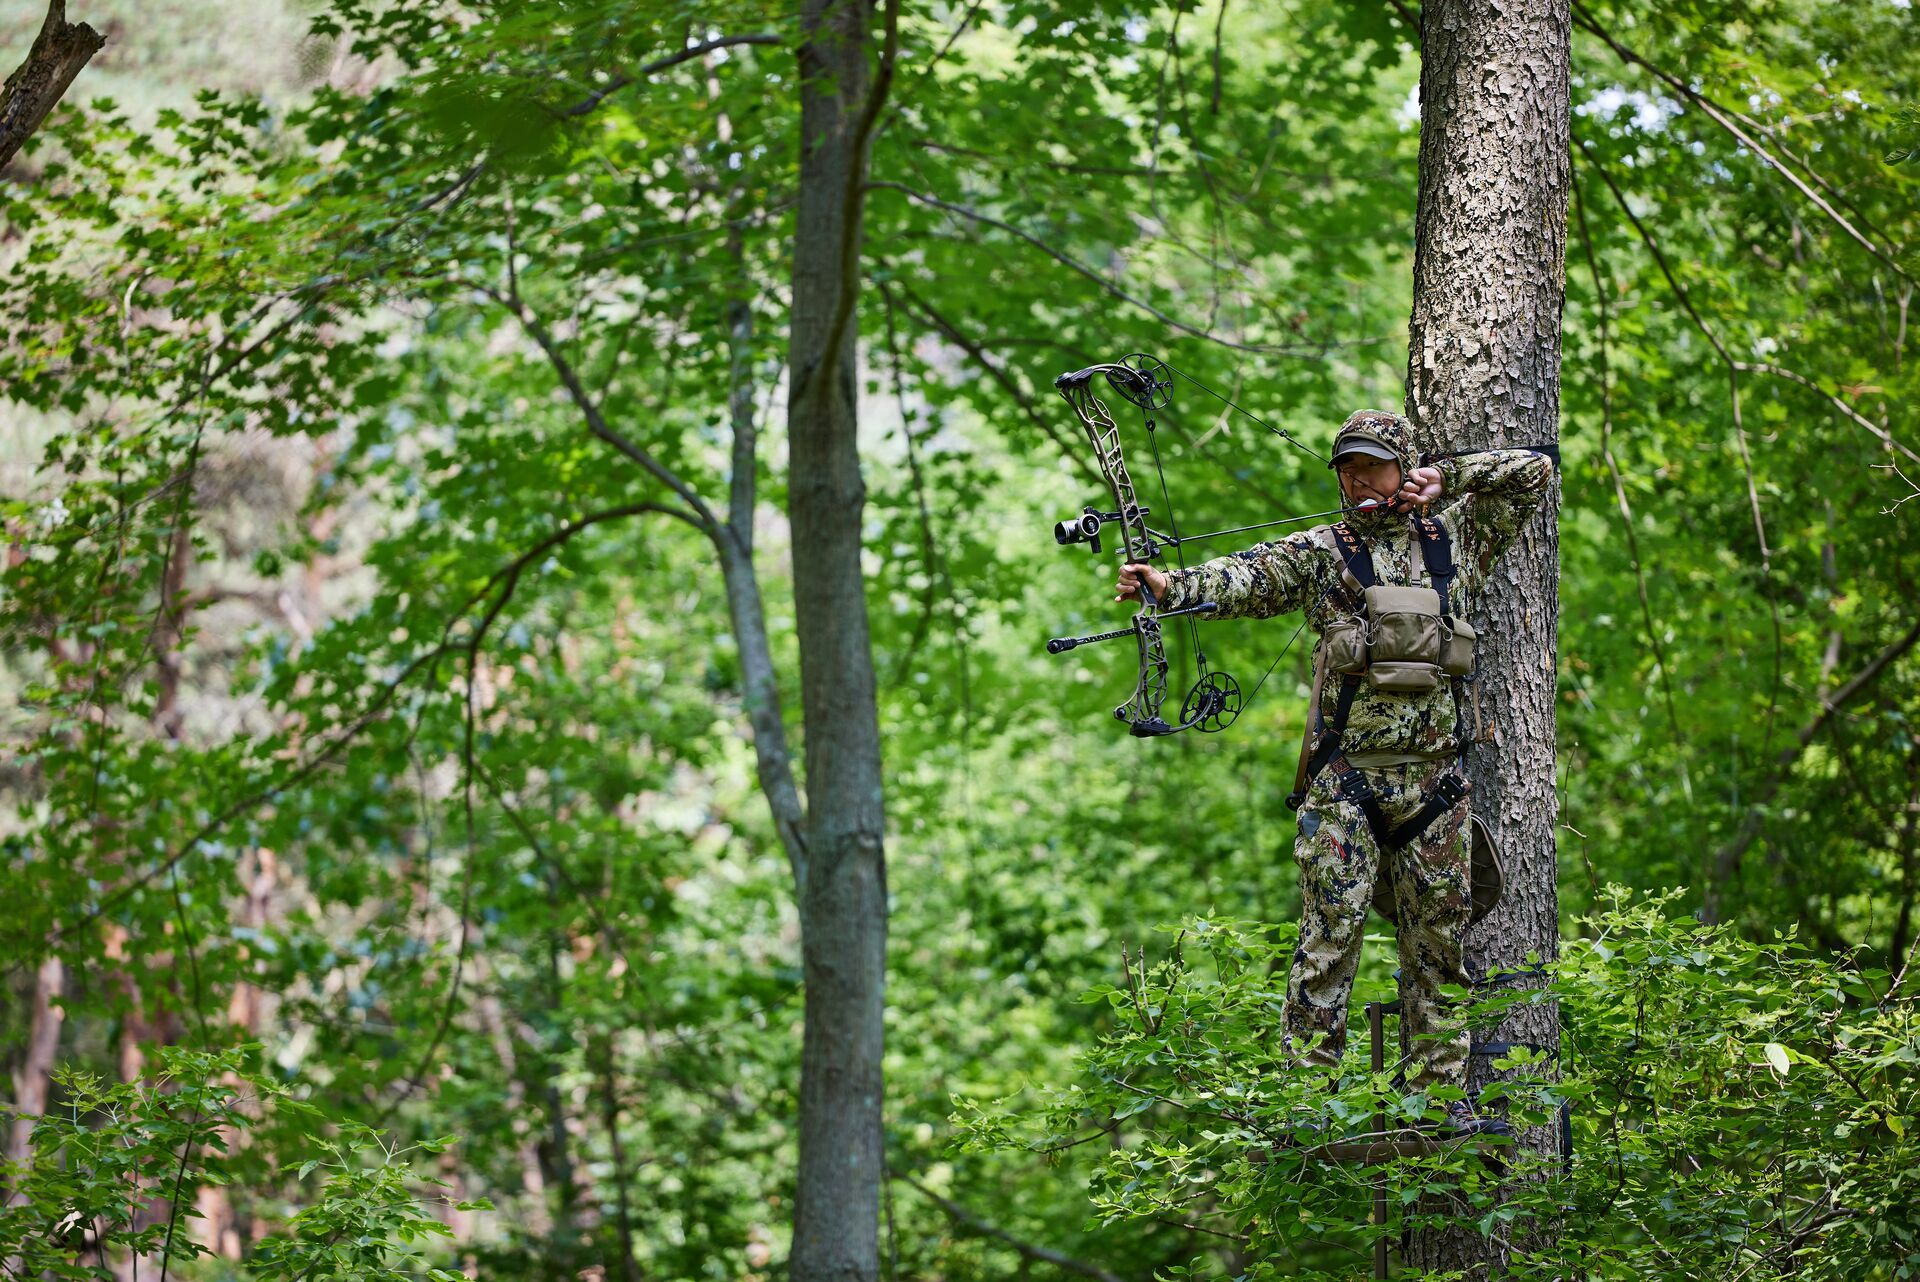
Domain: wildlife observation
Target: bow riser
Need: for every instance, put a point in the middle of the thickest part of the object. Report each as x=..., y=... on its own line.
x=1141, y=711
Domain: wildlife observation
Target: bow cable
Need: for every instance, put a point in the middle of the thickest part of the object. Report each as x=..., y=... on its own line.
x=1280, y=432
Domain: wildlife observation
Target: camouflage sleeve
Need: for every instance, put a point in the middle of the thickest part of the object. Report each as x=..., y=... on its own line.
x=1497, y=491
x=1265, y=580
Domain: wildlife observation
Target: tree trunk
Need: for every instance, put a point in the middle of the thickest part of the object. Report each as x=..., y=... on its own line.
x=33, y=1079
x=1489, y=281
x=843, y=896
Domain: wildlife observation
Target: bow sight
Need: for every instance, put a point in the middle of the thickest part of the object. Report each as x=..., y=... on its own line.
x=1085, y=528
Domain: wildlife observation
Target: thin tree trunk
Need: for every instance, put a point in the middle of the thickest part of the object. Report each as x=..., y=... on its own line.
x=32, y=1079
x=1484, y=370
x=1909, y=864
x=554, y=1149
x=759, y=681
x=843, y=899
x=248, y=1012
x=624, y=1268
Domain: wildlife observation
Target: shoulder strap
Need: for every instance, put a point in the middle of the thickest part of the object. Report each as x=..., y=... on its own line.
x=1324, y=736
x=1436, y=549
x=1300, y=779
x=1354, y=552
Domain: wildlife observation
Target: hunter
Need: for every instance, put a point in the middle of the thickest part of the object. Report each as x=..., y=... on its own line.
x=1380, y=793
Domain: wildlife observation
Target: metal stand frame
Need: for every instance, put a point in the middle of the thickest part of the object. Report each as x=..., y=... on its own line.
x=1388, y=1144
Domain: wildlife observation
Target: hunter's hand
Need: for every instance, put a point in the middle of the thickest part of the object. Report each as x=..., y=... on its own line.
x=1421, y=487
x=1131, y=576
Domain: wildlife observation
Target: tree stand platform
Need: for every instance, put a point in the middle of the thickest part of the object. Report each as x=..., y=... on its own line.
x=1382, y=1145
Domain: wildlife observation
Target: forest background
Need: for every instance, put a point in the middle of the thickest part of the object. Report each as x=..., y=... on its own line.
x=373, y=705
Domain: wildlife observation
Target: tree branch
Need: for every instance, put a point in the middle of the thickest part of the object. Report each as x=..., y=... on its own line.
x=1728, y=857
x=1028, y=1250
x=622, y=80
x=759, y=681
x=1739, y=426
x=507, y=574
x=705, y=520
x=1761, y=367
x=1021, y=397
x=1714, y=113
x=1600, y=292
x=1318, y=352
x=1058, y=166
x=853, y=215
x=59, y=52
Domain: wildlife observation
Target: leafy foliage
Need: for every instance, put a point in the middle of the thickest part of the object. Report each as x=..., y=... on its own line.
x=368, y=705
x=1734, y=1109
x=118, y=1170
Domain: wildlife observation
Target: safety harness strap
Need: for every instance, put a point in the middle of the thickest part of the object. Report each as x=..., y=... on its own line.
x=1352, y=786
x=1325, y=738
x=1449, y=792
x=1436, y=550
x=1354, y=552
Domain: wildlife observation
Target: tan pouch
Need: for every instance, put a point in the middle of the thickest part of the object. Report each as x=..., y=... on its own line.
x=1403, y=638
x=1403, y=625
x=1402, y=677
x=1345, y=644
x=1456, y=650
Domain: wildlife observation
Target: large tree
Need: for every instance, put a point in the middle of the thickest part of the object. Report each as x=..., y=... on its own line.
x=1483, y=370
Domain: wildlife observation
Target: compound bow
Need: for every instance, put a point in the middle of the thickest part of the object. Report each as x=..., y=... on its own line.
x=1214, y=700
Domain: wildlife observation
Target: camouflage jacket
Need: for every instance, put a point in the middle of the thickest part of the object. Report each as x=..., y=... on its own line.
x=1485, y=500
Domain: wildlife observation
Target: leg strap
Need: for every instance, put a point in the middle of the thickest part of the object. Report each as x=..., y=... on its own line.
x=1353, y=786
x=1446, y=794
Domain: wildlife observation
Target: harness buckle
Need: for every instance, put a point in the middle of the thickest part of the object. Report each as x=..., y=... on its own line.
x=1450, y=791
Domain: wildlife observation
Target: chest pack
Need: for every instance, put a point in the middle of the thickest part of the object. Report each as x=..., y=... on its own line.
x=1407, y=637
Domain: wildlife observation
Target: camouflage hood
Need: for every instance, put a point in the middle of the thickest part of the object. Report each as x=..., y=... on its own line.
x=1376, y=432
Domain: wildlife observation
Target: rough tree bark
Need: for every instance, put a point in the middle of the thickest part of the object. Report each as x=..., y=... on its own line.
x=843, y=898
x=59, y=52
x=1489, y=282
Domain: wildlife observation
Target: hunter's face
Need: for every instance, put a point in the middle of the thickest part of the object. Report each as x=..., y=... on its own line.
x=1363, y=477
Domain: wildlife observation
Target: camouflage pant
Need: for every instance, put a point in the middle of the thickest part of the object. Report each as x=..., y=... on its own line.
x=1339, y=859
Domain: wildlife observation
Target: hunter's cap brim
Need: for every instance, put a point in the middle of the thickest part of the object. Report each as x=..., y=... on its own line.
x=1347, y=446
